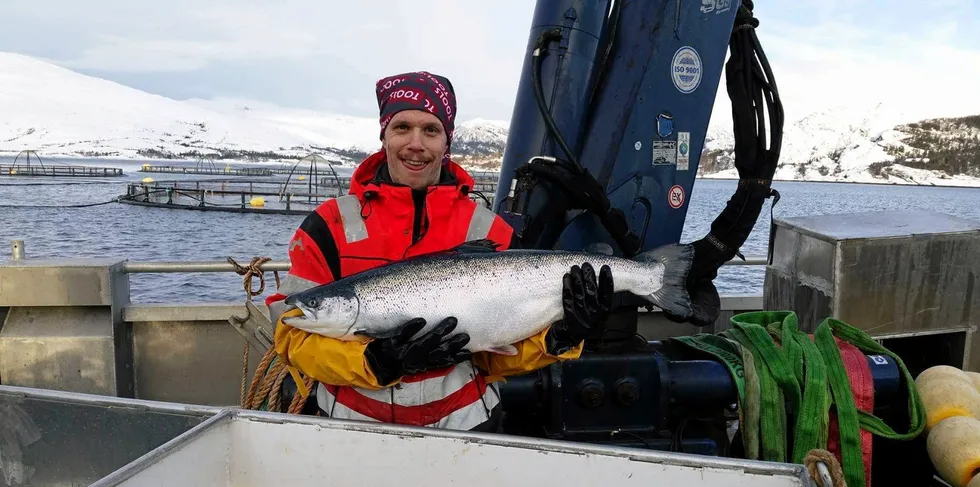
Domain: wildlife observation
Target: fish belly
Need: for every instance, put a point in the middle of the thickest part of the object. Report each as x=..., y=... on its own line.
x=491, y=327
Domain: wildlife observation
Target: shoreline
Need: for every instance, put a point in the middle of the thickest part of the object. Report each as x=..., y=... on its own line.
x=88, y=160
x=967, y=184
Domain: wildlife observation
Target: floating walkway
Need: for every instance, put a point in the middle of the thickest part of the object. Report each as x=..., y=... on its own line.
x=37, y=168
x=59, y=171
x=484, y=182
x=228, y=171
x=229, y=196
x=292, y=197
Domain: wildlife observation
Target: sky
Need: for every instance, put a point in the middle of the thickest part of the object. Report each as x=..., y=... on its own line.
x=923, y=58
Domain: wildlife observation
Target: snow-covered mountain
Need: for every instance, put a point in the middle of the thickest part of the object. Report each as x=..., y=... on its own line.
x=61, y=113
x=871, y=145
x=58, y=112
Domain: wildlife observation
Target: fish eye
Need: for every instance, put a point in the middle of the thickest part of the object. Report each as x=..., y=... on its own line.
x=311, y=302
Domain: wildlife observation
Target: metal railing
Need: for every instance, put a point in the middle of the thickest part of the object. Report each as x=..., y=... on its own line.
x=157, y=267
x=161, y=267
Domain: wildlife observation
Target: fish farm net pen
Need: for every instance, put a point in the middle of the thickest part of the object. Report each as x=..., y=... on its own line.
x=61, y=183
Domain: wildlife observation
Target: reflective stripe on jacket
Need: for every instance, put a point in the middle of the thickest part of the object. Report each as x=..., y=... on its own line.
x=380, y=222
x=455, y=398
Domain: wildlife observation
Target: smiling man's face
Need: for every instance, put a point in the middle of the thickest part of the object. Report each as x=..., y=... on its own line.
x=414, y=142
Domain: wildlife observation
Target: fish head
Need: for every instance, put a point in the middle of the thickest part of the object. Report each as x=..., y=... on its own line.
x=327, y=312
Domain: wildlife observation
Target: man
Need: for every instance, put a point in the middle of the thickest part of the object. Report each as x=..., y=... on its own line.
x=406, y=200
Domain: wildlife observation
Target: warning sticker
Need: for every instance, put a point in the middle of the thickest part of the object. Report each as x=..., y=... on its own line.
x=675, y=196
x=664, y=152
x=683, y=150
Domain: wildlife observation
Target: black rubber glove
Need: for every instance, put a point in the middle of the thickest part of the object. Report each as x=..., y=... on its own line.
x=705, y=301
x=587, y=302
x=705, y=304
x=396, y=355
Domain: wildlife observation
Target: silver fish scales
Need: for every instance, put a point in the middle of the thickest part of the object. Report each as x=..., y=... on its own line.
x=498, y=297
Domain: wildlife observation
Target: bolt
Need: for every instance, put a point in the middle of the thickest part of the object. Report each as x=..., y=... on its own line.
x=592, y=394
x=627, y=391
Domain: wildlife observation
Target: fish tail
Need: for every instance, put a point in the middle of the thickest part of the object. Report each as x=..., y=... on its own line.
x=672, y=295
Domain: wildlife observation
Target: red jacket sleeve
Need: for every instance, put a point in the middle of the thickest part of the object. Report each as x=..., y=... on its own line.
x=314, y=261
x=312, y=256
x=501, y=233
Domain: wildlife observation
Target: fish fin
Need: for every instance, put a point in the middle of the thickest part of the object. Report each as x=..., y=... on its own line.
x=504, y=350
x=672, y=296
x=405, y=331
x=599, y=248
x=473, y=246
x=364, y=333
x=482, y=245
x=377, y=335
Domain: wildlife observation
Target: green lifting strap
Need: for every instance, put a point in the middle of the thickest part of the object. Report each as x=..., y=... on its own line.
x=795, y=360
x=771, y=360
x=750, y=418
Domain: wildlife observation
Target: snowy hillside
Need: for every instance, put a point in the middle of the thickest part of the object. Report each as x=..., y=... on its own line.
x=854, y=145
x=474, y=139
x=57, y=112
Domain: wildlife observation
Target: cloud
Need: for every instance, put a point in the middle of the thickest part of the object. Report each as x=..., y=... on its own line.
x=839, y=64
x=306, y=54
x=900, y=59
x=208, y=34
x=922, y=58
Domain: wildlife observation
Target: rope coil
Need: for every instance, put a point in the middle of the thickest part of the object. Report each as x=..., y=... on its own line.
x=265, y=389
x=247, y=272
x=253, y=269
x=266, y=386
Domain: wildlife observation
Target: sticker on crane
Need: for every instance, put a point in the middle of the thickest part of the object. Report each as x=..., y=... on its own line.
x=716, y=6
x=683, y=150
x=675, y=196
x=664, y=152
x=665, y=125
x=686, y=69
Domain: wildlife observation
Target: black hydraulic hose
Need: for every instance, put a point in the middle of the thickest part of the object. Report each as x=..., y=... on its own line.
x=576, y=183
x=753, y=92
x=754, y=95
x=543, y=39
x=608, y=42
x=751, y=86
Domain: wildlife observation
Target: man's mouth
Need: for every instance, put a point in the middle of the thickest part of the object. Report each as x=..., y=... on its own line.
x=413, y=165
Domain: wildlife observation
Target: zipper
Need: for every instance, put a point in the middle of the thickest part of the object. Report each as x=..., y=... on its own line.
x=418, y=198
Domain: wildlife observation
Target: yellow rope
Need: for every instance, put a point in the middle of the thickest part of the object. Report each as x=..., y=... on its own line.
x=266, y=384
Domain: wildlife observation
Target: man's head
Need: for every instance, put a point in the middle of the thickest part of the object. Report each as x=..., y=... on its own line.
x=417, y=112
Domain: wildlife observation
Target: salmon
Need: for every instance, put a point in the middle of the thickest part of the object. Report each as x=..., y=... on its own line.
x=498, y=297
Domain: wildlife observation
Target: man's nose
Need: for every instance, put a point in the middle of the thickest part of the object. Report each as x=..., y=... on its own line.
x=415, y=140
